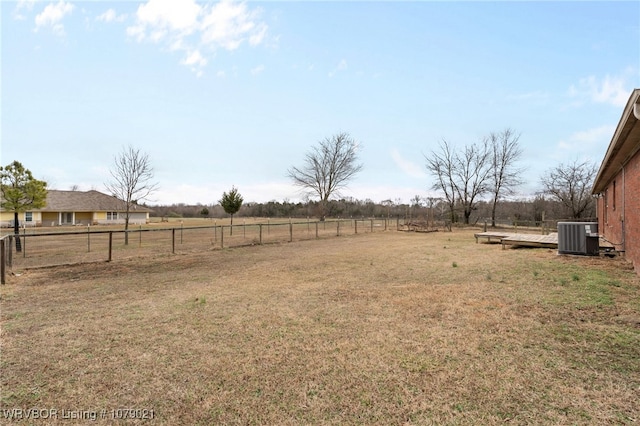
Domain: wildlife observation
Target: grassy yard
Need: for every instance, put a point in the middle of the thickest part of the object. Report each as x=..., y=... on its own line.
x=377, y=328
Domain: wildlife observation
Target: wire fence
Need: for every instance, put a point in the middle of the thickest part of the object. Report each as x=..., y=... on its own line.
x=41, y=249
x=63, y=246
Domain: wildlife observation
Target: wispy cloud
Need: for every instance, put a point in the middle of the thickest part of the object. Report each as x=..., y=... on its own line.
x=613, y=90
x=257, y=70
x=190, y=27
x=590, y=143
x=111, y=16
x=407, y=166
x=195, y=61
x=21, y=6
x=52, y=16
x=342, y=65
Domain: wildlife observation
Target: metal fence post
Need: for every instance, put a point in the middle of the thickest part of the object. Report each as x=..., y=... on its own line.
x=173, y=240
x=2, y=261
x=222, y=236
x=260, y=227
x=110, y=245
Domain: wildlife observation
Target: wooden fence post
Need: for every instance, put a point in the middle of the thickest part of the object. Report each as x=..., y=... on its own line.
x=88, y=239
x=338, y=231
x=260, y=226
x=371, y=225
x=10, y=258
x=290, y=231
x=356, y=225
x=316, y=229
x=222, y=236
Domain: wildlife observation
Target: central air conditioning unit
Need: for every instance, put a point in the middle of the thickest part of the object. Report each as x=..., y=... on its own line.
x=578, y=238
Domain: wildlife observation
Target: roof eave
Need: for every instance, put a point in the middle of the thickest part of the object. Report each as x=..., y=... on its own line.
x=621, y=147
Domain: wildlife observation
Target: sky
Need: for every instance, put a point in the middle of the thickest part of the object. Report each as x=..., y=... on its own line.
x=222, y=94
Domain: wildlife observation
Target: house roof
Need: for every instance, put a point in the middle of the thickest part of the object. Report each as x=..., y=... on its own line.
x=85, y=201
x=624, y=144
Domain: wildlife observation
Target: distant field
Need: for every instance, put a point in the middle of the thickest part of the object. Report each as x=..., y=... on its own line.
x=374, y=328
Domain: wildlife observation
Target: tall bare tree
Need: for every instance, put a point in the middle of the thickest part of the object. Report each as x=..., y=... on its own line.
x=328, y=167
x=442, y=166
x=132, y=181
x=19, y=192
x=505, y=175
x=571, y=185
x=462, y=177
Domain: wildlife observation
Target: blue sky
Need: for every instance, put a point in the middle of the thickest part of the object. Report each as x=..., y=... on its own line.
x=235, y=93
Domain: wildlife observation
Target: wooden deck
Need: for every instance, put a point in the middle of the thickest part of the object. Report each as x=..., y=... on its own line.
x=527, y=240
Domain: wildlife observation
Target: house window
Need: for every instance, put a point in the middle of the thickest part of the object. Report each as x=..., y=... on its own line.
x=112, y=215
x=28, y=216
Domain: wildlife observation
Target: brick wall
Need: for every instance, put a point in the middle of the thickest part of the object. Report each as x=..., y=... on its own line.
x=632, y=210
x=621, y=201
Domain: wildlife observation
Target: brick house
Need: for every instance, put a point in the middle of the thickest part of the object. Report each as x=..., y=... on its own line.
x=617, y=185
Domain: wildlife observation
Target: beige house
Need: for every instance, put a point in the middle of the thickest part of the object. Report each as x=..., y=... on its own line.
x=78, y=208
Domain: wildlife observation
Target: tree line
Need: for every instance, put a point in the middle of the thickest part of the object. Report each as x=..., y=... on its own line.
x=534, y=209
x=472, y=183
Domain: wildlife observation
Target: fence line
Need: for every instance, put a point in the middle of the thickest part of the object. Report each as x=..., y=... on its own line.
x=79, y=246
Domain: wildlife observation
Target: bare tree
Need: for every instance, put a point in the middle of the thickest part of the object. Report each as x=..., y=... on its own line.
x=328, y=167
x=461, y=177
x=132, y=181
x=571, y=185
x=442, y=165
x=505, y=176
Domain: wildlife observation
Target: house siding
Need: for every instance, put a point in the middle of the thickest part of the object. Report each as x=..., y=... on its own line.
x=6, y=219
x=84, y=218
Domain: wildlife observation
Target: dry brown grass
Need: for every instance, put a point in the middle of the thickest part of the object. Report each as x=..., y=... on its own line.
x=378, y=328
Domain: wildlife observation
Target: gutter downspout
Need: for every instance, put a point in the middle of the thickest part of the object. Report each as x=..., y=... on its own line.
x=636, y=111
x=624, y=206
